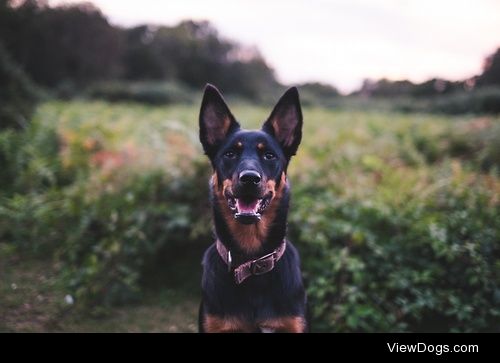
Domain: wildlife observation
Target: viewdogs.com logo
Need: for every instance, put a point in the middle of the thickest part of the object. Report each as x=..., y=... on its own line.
x=437, y=349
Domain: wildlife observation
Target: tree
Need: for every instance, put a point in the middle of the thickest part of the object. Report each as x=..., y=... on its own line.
x=319, y=94
x=140, y=61
x=66, y=43
x=491, y=70
x=194, y=53
x=75, y=45
x=385, y=88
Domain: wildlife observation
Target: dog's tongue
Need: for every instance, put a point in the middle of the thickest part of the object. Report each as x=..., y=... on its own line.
x=247, y=206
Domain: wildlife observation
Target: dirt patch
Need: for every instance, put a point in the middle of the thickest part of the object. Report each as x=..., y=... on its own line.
x=32, y=300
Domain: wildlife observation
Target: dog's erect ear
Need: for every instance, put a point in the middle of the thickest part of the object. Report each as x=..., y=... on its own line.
x=285, y=122
x=216, y=121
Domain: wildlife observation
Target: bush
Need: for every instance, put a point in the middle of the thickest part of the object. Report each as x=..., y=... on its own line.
x=33, y=223
x=394, y=215
x=372, y=267
x=478, y=101
x=30, y=160
x=103, y=227
x=478, y=143
x=105, y=242
x=18, y=94
x=154, y=93
x=482, y=100
x=318, y=94
x=119, y=233
x=32, y=178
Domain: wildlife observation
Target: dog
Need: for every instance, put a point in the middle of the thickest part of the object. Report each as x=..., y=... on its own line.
x=252, y=280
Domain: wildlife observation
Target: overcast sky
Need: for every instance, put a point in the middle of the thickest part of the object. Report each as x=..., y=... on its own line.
x=340, y=41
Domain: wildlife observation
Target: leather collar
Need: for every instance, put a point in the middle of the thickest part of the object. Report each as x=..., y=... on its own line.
x=258, y=266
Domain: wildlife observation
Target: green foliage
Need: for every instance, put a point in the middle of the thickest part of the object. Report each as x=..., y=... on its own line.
x=30, y=160
x=480, y=101
x=476, y=144
x=484, y=100
x=491, y=70
x=18, y=95
x=66, y=43
x=104, y=214
x=479, y=143
x=318, y=94
x=33, y=223
x=395, y=215
x=154, y=93
x=377, y=267
x=118, y=234
x=31, y=181
x=399, y=233
x=404, y=88
x=70, y=46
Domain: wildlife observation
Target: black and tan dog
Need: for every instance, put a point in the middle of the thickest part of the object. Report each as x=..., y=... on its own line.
x=251, y=275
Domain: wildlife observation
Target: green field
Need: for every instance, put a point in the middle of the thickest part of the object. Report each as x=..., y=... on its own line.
x=396, y=217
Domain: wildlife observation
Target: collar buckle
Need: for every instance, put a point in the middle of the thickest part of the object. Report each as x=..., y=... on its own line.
x=229, y=261
x=263, y=264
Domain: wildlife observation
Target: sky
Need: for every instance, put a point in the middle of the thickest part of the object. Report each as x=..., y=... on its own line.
x=340, y=42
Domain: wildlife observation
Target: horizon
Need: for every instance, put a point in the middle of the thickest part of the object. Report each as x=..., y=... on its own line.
x=392, y=39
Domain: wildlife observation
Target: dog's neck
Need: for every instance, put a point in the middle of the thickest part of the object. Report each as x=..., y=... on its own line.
x=249, y=241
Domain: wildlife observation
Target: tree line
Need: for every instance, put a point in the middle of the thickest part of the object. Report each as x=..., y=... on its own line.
x=490, y=77
x=76, y=44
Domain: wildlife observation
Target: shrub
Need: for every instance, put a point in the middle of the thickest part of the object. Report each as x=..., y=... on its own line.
x=478, y=101
x=154, y=93
x=32, y=199
x=478, y=142
x=105, y=241
x=118, y=233
x=318, y=94
x=30, y=160
x=18, y=94
x=33, y=223
x=394, y=215
x=372, y=267
x=482, y=100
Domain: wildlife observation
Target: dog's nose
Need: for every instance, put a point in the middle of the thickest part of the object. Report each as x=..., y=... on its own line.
x=249, y=177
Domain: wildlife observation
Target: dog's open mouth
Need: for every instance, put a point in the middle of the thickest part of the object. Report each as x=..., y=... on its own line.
x=248, y=210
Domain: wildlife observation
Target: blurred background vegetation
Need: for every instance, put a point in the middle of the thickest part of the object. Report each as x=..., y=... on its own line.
x=103, y=202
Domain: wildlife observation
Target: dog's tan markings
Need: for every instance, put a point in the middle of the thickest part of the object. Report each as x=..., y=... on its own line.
x=215, y=181
x=287, y=324
x=270, y=214
x=246, y=235
x=217, y=324
x=226, y=183
x=261, y=146
x=250, y=237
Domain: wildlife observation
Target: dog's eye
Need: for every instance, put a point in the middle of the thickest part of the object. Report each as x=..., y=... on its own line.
x=269, y=155
x=230, y=154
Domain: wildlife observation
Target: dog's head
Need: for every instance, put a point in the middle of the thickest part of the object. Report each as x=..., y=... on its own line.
x=250, y=165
